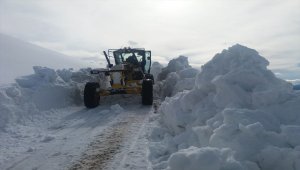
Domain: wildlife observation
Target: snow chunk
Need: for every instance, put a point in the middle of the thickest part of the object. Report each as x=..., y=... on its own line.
x=174, y=65
x=45, y=73
x=13, y=92
x=292, y=134
x=30, y=149
x=65, y=74
x=42, y=75
x=116, y=108
x=279, y=158
x=176, y=77
x=47, y=138
x=207, y=158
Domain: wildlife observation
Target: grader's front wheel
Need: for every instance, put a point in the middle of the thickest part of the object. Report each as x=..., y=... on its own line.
x=147, y=92
x=91, y=94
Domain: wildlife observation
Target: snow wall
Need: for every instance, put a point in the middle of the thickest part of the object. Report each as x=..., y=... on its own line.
x=238, y=116
x=156, y=68
x=36, y=96
x=176, y=77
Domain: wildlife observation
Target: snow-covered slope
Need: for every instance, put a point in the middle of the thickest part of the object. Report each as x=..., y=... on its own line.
x=18, y=57
x=238, y=116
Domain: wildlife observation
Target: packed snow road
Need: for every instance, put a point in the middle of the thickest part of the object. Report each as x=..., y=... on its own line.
x=111, y=136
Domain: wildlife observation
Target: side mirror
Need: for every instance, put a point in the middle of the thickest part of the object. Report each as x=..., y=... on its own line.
x=148, y=55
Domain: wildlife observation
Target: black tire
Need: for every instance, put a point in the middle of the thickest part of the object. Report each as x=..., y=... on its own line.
x=147, y=92
x=91, y=94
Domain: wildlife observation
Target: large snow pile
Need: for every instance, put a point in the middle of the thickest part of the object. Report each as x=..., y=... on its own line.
x=174, y=78
x=36, y=95
x=238, y=116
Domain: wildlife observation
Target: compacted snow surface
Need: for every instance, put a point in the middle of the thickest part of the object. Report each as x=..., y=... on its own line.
x=238, y=116
x=234, y=114
x=44, y=125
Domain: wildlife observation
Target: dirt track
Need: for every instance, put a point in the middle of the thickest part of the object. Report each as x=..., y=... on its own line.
x=102, y=150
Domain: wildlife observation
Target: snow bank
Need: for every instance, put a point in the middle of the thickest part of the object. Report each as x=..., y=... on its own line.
x=237, y=116
x=156, y=68
x=44, y=90
x=174, y=65
x=176, y=77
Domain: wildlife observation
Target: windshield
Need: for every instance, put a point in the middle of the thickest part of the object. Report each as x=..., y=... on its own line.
x=135, y=57
x=122, y=57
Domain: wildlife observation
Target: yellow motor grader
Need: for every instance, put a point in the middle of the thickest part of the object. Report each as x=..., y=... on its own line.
x=129, y=75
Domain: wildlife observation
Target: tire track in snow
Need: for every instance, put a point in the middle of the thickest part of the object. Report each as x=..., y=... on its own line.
x=102, y=149
x=134, y=156
x=108, y=144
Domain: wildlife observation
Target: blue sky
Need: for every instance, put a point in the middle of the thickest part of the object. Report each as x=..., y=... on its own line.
x=196, y=28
